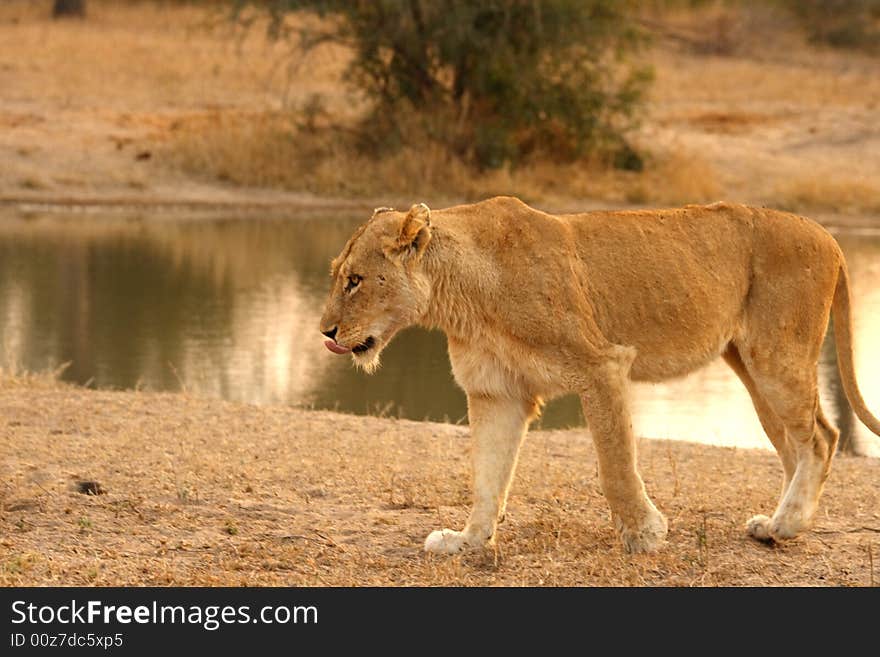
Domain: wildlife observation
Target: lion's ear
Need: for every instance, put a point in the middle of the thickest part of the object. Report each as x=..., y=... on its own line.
x=414, y=233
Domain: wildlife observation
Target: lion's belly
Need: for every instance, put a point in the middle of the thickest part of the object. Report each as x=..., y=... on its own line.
x=651, y=366
x=674, y=336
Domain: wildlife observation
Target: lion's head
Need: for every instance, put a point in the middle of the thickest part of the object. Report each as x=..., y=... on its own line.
x=379, y=286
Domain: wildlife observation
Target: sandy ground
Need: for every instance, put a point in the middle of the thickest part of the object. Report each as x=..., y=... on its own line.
x=200, y=492
x=85, y=104
x=814, y=124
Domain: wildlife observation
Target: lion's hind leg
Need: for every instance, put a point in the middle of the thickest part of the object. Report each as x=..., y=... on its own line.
x=773, y=426
x=791, y=393
x=779, y=338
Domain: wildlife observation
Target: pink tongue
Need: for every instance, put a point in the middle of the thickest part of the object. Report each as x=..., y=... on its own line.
x=335, y=348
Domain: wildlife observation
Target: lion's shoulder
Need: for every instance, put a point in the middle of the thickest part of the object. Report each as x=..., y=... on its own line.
x=491, y=207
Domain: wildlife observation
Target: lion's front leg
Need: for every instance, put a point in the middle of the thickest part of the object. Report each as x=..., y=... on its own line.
x=642, y=528
x=498, y=427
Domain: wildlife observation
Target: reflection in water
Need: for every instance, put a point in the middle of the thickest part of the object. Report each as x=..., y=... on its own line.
x=230, y=309
x=863, y=257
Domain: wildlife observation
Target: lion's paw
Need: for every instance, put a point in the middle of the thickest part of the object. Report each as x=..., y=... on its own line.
x=774, y=530
x=786, y=527
x=445, y=541
x=648, y=537
x=758, y=527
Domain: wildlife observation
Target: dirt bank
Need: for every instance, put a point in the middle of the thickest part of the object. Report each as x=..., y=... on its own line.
x=199, y=491
x=102, y=110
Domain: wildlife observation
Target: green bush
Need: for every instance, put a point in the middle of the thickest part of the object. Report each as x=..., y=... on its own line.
x=494, y=81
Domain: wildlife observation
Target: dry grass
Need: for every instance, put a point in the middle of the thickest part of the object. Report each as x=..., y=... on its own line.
x=274, y=150
x=201, y=492
x=14, y=377
x=163, y=101
x=148, y=57
x=829, y=195
x=706, y=136
x=85, y=102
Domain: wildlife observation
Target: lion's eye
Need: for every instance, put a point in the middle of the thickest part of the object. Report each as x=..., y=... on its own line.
x=353, y=282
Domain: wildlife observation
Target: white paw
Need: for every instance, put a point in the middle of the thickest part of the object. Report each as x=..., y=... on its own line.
x=776, y=529
x=758, y=527
x=647, y=537
x=786, y=526
x=445, y=542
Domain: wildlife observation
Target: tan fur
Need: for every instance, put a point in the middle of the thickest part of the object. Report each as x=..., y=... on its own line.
x=536, y=305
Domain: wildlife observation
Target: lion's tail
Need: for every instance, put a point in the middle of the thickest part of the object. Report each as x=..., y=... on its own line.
x=842, y=313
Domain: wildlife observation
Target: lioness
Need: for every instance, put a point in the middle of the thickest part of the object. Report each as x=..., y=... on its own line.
x=536, y=305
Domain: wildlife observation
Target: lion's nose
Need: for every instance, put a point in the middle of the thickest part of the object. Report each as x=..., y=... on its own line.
x=331, y=333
